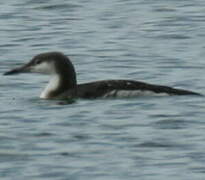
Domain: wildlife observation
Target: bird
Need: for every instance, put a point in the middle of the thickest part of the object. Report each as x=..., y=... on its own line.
x=63, y=81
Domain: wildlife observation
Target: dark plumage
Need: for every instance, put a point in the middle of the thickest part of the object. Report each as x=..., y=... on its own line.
x=64, y=85
x=100, y=88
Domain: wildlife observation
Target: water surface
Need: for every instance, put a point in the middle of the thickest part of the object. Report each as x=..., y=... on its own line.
x=147, y=138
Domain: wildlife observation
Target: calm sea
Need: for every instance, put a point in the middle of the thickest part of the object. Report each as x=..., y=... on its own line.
x=145, y=138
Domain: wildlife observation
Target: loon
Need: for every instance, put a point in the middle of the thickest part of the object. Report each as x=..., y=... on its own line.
x=63, y=82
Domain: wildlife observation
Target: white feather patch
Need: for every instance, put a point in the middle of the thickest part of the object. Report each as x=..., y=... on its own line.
x=44, y=68
x=132, y=93
x=52, y=85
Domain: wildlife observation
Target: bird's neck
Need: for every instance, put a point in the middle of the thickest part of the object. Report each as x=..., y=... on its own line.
x=62, y=86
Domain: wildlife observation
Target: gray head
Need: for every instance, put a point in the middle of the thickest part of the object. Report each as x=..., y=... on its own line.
x=45, y=63
x=52, y=63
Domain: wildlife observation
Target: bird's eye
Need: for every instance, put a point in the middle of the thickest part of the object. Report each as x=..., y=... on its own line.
x=38, y=61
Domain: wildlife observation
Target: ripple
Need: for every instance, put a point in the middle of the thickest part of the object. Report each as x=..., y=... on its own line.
x=156, y=145
x=145, y=138
x=171, y=124
x=59, y=7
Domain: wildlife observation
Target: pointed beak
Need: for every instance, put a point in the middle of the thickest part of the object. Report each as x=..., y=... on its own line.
x=18, y=70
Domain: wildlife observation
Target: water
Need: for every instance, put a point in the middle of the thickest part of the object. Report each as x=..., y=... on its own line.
x=148, y=138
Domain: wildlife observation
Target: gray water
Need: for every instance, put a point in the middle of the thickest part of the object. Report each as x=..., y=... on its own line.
x=146, y=138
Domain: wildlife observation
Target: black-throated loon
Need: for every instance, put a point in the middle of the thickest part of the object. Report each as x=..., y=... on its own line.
x=63, y=83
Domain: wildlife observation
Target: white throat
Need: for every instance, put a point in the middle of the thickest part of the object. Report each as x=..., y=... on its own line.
x=52, y=85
